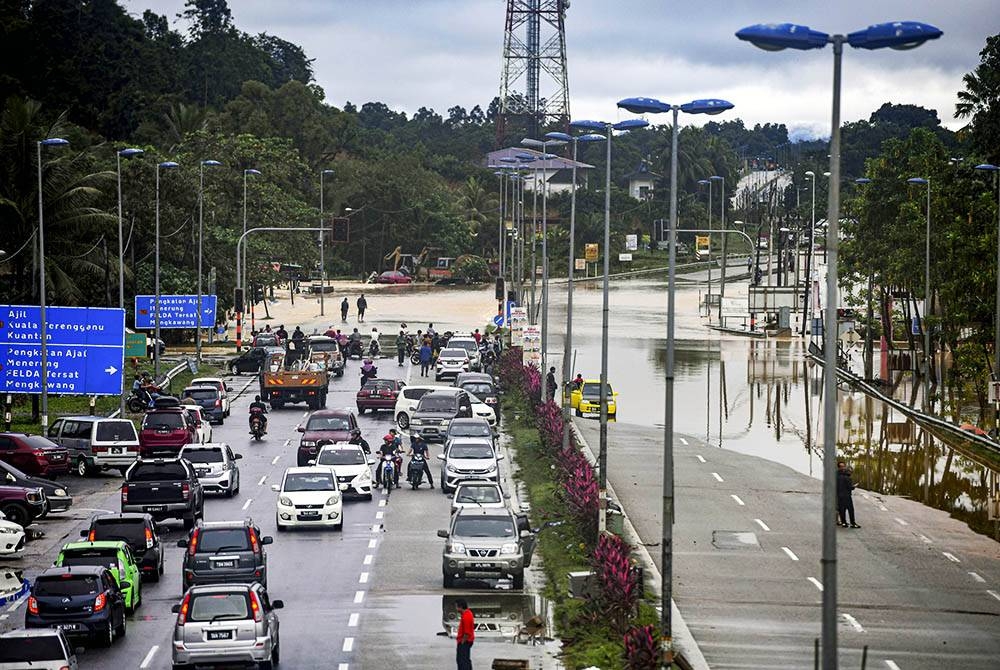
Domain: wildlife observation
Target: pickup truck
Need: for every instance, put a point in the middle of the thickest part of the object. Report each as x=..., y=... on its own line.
x=22, y=505
x=164, y=488
x=308, y=384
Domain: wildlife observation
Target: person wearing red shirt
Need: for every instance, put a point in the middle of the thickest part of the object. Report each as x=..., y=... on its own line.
x=466, y=635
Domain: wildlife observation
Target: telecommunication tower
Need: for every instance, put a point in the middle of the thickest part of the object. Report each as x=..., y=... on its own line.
x=534, y=51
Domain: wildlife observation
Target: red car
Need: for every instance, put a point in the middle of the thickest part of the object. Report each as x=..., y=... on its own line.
x=327, y=426
x=393, y=277
x=34, y=454
x=379, y=394
x=164, y=431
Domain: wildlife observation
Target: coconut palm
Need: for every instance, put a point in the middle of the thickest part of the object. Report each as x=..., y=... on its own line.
x=477, y=206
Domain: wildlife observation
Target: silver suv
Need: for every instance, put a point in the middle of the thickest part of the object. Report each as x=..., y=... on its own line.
x=226, y=624
x=215, y=465
x=486, y=544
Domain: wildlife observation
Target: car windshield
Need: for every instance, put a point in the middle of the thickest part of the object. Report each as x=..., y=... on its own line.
x=470, y=451
x=218, y=606
x=453, y=353
x=162, y=421
x=115, y=431
x=379, y=385
x=431, y=403
x=262, y=340
x=210, y=540
x=341, y=457
x=203, y=455
x=468, y=345
x=38, y=442
x=593, y=391
x=415, y=394
x=204, y=393
x=475, y=429
x=132, y=531
x=312, y=481
x=478, y=389
x=154, y=472
x=480, y=526
x=106, y=558
x=477, y=494
x=325, y=345
x=31, y=649
x=74, y=585
x=328, y=423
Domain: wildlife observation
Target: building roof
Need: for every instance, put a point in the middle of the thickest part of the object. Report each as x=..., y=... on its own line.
x=643, y=172
x=493, y=160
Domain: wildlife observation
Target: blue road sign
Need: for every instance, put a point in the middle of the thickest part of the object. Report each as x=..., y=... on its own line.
x=498, y=320
x=176, y=311
x=510, y=303
x=85, y=349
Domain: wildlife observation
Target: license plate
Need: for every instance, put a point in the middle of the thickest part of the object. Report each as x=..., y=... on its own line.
x=482, y=566
x=67, y=626
x=308, y=513
x=117, y=450
x=155, y=508
x=58, y=457
x=220, y=635
x=223, y=564
x=201, y=473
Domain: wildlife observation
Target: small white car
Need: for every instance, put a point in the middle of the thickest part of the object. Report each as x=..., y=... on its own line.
x=309, y=497
x=352, y=466
x=467, y=458
x=203, y=427
x=451, y=363
x=11, y=537
x=215, y=465
x=407, y=401
x=218, y=383
x=481, y=494
x=483, y=411
x=38, y=649
x=467, y=342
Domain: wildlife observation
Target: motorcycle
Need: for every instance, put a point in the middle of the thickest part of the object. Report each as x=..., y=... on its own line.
x=355, y=349
x=139, y=401
x=388, y=466
x=415, y=471
x=257, y=423
x=374, y=349
x=368, y=371
x=415, y=357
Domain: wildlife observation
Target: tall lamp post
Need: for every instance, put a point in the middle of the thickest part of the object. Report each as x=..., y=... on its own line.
x=722, y=227
x=928, y=354
x=165, y=165
x=653, y=106
x=811, y=176
x=201, y=236
x=996, y=315
x=122, y=153
x=869, y=347
x=567, y=372
x=322, y=235
x=708, y=306
x=48, y=142
x=247, y=172
x=775, y=37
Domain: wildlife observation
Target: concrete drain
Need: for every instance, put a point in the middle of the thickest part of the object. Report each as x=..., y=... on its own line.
x=735, y=540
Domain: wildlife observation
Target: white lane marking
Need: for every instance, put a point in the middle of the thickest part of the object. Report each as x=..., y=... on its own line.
x=261, y=482
x=762, y=524
x=342, y=666
x=363, y=579
x=683, y=441
x=149, y=657
x=993, y=593
x=275, y=459
x=951, y=557
x=891, y=665
x=247, y=503
x=977, y=577
x=379, y=515
x=352, y=621
x=372, y=543
x=348, y=643
x=737, y=499
x=926, y=539
x=790, y=553
x=854, y=622
x=718, y=477
x=901, y=522
x=305, y=414
x=287, y=442
x=359, y=596
x=368, y=559
x=815, y=582
x=883, y=508
x=376, y=527
x=700, y=458
x=16, y=604
x=382, y=502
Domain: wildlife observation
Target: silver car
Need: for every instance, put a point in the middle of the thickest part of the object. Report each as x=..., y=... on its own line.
x=38, y=649
x=226, y=624
x=215, y=465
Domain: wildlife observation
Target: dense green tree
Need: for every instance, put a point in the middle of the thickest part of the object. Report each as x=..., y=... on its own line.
x=979, y=101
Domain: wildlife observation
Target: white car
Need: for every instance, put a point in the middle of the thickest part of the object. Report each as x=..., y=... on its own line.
x=11, y=537
x=451, y=363
x=471, y=347
x=224, y=389
x=309, y=497
x=215, y=465
x=407, y=401
x=483, y=411
x=351, y=465
x=467, y=458
x=203, y=427
x=480, y=494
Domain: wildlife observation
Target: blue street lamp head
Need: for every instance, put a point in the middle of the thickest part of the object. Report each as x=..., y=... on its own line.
x=327, y=172
x=587, y=124
x=591, y=137
x=644, y=105
x=899, y=35
x=499, y=173
x=704, y=182
x=709, y=106
x=631, y=124
x=564, y=137
x=862, y=180
x=211, y=163
x=716, y=177
x=167, y=164
x=987, y=166
x=507, y=159
x=251, y=171
x=524, y=157
x=917, y=180
x=53, y=142
x=128, y=153
x=778, y=36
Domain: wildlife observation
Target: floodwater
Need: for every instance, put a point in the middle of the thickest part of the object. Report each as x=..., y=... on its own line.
x=759, y=397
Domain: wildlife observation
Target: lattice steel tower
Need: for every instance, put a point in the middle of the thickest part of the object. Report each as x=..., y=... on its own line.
x=534, y=51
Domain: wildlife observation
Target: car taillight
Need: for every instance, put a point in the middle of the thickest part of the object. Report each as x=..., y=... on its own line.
x=99, y=602
x=182, y=614
x=392, y=394
x=149, y=538
x=364, y=394
x=253, y=541
x=255, y=606
x=32, y=605
x=125, y=493
x=99, y=450
x=91, y=536
x=193, y=544
x=185, y=491
x=218, y=403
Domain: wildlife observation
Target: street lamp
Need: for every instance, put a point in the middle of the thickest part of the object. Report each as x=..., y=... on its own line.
x=869, y=351
x=48, y=142
x=122, y=153
x=201, y=235
x=322, y=234
x=928, y=354
x=165, y=165
x=811, y=176
x=709, y=106
x=996, y=315
x=722, y=227
x=568, y=350
x=706, y=183
x=246, y=172
x=775, y=37
x=544, y=144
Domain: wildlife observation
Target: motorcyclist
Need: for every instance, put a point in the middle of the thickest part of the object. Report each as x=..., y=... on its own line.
x=418, y=446
x=356, y=438
x=257, y=404
x=368, y=371
x=374, y=349
x=388, y=451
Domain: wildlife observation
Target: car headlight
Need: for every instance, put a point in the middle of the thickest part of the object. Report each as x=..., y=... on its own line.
x=33, y=497
x=5, y=529
x=444, y=423
x=417, y=422
x=283, y=500
x=510, y=548
x=307, y=443
x=365, y=476
x=450, y=468
x=334, y=499
x=492, y=467
x=457, y=548
x=60, y=492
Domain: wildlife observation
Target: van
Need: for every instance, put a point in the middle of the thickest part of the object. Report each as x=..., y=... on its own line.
x=96, y=443
x=218, y=383
x=209, y=398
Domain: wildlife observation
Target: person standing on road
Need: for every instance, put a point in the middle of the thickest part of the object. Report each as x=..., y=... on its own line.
x=344, y=306
x=400, y=348
x=550, y=383
x=465, y=636
x=845, y=503
x=362, y=306
x=477, y=336
x=418, y=446
x=425, y=357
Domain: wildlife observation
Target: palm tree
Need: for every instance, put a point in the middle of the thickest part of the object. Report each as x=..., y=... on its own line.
x=476, y=207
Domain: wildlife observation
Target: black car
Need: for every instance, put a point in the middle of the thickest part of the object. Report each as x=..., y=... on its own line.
x=83, y=601
x=250, y=360
x=436, y=410
x=223, y=552
x=139, y=531
x=57, y=494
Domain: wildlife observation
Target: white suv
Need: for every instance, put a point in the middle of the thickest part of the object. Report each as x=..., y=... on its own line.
x=309, y=497
x=451, y=362
x=471, y=347
x=351, y=464
x=407, y=401
x=468, y=458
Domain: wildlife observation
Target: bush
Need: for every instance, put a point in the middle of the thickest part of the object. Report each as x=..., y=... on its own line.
x=473, y=270
x=641, y=650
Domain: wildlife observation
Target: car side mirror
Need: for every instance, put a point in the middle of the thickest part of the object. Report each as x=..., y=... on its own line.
x=267, y=539
x=500, y=457
x=182, y=544
x=277, y=604
x=175, y=608
x=443, y=533
x=440, y=457
x=344, y=487
x=301, y=429
x=228, y=387
x=371, y=461
x=237, y=457
x=84, y=533
x=275, y=488
x=311, y=461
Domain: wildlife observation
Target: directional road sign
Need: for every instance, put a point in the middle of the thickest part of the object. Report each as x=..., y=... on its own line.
x=176, y=311
x=498, y=320
x=84, y=350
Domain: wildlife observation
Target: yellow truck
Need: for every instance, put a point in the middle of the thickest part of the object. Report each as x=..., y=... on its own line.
x=302, y=379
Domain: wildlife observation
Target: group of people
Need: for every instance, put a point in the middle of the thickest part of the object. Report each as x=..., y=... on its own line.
x=390, y=457
x=362, y=305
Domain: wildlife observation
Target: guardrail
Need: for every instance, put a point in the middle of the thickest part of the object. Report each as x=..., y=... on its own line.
x=173, y=372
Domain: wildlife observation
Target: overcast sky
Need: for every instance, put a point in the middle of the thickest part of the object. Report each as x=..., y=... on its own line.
x=441, y=53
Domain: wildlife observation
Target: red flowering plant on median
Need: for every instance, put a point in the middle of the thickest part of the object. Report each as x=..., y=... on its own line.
x=641, y=649
x=617, y=580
